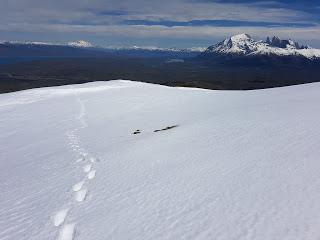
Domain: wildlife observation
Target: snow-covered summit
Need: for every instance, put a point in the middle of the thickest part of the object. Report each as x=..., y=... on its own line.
x=80, y=43
x=244, y=44
x=241, y=43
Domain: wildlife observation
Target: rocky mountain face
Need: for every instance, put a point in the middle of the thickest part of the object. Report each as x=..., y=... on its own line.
x=279, y=43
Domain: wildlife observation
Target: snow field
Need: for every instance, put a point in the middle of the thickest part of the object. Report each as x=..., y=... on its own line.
x=239, y=164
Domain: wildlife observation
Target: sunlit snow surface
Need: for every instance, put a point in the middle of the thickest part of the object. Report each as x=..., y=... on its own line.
x=240, y=164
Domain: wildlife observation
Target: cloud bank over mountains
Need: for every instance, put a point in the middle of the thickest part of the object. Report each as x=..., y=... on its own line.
x=163, y=23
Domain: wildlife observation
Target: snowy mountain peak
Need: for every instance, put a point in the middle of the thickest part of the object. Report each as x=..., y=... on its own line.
x=241, y=37
x=240, y=44
x=80, y=43
x=243, y=44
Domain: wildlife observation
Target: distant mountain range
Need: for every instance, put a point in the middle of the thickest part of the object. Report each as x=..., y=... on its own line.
x=86, y=49
x=244, y=45
x=238, y=62
x=86, y=44
x=239, y=45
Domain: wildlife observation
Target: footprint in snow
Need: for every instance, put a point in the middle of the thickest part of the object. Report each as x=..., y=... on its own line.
x=67, y=232
x=59, y=217
x=80, y=196
x=87, y=168
x=77, y=187
x=92, y=174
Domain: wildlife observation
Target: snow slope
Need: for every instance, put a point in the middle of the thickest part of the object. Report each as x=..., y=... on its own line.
x=243, y=44
x=240, y=165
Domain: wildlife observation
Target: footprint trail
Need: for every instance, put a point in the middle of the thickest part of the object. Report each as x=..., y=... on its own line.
x=80, y=189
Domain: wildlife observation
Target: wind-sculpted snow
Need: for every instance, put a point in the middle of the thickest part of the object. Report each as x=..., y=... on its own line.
x=205, y=164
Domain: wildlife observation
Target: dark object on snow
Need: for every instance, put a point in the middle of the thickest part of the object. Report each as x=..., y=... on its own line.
x=167, y=128
x=136, y=132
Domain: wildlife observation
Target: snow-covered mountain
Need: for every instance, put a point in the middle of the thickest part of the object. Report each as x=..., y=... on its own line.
x=84, y=48
x=81, y=43
x=243, y=44
x=86, y=44
x=203, y=165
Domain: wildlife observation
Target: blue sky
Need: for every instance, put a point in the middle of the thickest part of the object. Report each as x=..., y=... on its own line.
x=165, y=23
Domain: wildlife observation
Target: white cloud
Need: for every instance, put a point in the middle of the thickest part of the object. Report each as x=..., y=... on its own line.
x=178, y=10
x=203, y=32
x=85, y=17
